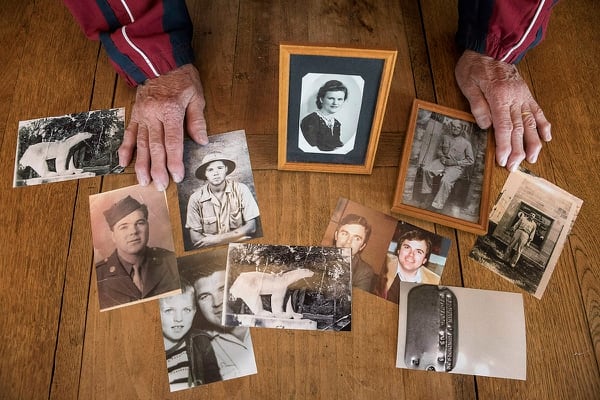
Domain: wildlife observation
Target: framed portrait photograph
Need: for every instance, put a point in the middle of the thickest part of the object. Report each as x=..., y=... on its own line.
x=445, y=169
x=331, y=106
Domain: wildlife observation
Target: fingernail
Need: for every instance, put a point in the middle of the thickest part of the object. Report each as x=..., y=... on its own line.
x=159, y=186
x=502, y=161
x=513, y=167
x=143, y=180
x=176, y=178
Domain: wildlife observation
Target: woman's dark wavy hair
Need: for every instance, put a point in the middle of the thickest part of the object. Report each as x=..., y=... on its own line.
x=331, y=86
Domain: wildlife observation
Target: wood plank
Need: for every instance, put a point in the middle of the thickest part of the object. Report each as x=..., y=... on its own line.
x=57, y=339
x=557, y=330
x=12, y=35
x=71, y=335
x=568, y=82
x=37, y=220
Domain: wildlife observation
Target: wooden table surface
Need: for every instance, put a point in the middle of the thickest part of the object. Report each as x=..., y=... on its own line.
x=57, y=345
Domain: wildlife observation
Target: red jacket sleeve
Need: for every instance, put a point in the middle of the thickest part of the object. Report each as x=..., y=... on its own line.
x=502, y=29
x=143, y=38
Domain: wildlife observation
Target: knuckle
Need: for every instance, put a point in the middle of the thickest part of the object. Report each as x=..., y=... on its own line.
x=534, y=148
x=517, y=154
x=140, y=168
x=156, y=148
x=123, y=151
x=518, y=130
x=529, y=123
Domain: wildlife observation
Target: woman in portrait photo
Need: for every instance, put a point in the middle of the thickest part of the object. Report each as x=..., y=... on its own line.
x=320, y=128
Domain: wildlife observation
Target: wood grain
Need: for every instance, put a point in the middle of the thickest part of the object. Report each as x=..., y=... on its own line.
x=57, y=345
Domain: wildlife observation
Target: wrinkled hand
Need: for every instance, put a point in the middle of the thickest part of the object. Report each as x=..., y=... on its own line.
x=163, y=106
x=500, y=97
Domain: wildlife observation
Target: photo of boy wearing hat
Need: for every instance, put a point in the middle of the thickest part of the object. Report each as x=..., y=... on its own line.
x=223, y=210
x=133, y=271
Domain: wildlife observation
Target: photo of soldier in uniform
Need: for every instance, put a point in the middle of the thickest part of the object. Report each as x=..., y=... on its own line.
x=527, y=230
x=133, y=246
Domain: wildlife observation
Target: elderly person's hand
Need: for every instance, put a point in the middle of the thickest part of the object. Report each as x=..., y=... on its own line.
x=163, y=107
x=500, y=97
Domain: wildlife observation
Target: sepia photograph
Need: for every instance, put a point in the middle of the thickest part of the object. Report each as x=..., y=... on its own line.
x=385, y=251
x=288, y=287
x=198, y=349
x=133, y=246
x=528, y=228
x=217, y=197
x=331, y=106
x=461, y=331
x=445, y=170
x=72, y=146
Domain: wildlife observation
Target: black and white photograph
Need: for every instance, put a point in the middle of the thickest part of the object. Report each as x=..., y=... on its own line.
x=461, y=331
x=385, y=250
x=288, y=287
x=198, y=349
x=217, y=197
x=528, y=227
x=133, y=246
x=331, y=107
x=72, y=146
x=445, y=170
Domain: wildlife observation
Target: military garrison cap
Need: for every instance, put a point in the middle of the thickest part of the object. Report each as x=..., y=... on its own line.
x=122, y=208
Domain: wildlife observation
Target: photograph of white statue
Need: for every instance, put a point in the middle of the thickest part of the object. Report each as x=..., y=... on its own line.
x=71, y=146
x=288, y=287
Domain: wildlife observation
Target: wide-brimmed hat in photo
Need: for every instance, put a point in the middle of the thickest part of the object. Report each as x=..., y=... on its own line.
x=211, y=157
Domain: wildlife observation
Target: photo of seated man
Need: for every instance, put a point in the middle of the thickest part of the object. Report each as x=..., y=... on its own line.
x=454, y=154
x=446, y=166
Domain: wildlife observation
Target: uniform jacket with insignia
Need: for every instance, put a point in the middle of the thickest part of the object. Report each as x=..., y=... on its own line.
x=116, y=287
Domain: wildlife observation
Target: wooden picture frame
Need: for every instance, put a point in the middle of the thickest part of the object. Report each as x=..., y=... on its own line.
x=339, y=132
x=453, y=195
